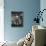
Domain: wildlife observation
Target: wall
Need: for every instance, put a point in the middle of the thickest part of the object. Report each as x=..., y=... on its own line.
x=29, y=7
x=1, y=21
x=43, y=6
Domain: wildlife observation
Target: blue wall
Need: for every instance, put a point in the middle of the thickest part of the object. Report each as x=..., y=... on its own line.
x=29, y=7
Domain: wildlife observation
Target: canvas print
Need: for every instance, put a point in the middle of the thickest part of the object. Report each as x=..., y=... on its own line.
x=17, y=19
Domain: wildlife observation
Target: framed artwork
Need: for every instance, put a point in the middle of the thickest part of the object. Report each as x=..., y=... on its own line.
x=17, y=18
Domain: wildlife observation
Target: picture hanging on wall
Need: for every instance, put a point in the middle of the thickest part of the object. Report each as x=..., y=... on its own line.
x=17, y=18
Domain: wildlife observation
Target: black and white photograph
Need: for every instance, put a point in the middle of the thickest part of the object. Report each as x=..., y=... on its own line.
x=17, y=19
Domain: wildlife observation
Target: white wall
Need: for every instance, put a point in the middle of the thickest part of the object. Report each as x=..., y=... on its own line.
x=1, y=20
x=43, y=6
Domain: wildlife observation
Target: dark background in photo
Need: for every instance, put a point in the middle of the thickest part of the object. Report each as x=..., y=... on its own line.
x=17, y=19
